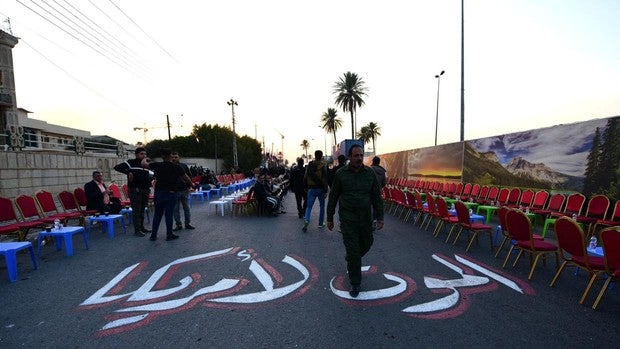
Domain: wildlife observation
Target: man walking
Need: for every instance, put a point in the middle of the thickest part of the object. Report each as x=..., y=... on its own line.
x=379, y=171
x=297, y=186
x=356, y=190
x=316, y=182
x=182, y=197
x=139, y=187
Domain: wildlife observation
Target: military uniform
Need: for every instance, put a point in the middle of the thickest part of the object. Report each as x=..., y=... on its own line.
x=355, y=192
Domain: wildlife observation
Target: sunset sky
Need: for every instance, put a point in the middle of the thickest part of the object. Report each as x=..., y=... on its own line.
x=126, y=64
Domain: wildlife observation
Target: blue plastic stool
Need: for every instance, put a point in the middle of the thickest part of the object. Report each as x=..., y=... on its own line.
x=9, y=250
x=66, y=233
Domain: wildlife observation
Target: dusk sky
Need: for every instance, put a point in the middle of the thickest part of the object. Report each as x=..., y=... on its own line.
x=528, y=64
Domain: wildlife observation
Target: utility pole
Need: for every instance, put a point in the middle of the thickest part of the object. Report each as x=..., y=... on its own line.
x=168, y=126
x=232, y=104
x=462, y=70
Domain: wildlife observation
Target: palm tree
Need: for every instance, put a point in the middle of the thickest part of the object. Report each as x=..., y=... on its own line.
x=363, y=135
x=305, y=145
x=349, y=90
x=373, y=132
x=331, y=122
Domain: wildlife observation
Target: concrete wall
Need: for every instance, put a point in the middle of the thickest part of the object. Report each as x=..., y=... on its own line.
x=26, y=172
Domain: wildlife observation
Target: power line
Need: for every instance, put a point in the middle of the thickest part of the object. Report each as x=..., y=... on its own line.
x=100, y=38
x=145, y=33
x=73, y=77
x=126, y=68
x=115, y=41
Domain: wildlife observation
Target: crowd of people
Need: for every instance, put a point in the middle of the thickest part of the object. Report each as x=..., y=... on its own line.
x=352, y=187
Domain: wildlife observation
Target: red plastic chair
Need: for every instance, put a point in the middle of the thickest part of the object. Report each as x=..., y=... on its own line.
x=596, y=209
x=29, y=210
x=513, y=198
x=116, y=192
x=465, y=224
x=444, y=217
x=482, y=197
x=574, y=204
x=11, y=224
x=491, y=196
x=502, y=197
x=49, y=209
x=520, y=230
x=610, y=239
x=475, y=192
x=503, y=227
x=420, y=208
x=556, y=202
x=613, y=221
x=431, y=213
x=527, y=198
x=80, y=198
x=572, y=243
x=69, y=204
x=540, y=199
x=466, y=192
x=411, y=204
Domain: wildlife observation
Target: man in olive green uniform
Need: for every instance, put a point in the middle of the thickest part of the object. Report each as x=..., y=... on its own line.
x=355, y=189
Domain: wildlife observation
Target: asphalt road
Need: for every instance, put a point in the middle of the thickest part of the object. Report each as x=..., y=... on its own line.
x=259, y=282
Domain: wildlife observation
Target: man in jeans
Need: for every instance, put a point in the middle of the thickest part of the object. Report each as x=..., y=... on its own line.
x=139, y=187
x=316, y=182
x=182, y=197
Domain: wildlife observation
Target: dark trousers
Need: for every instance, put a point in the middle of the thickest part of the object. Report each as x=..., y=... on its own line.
x=164, y=206
x=300, y=199
x=182, y=201
x=357, y=238
x=139, y=201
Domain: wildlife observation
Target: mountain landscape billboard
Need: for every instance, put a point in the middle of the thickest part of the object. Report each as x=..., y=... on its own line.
x=554, y=158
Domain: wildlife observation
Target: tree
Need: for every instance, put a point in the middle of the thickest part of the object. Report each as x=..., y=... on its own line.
x=305, y=145
x=331, y=122
x=610, y=154
x=591, y=182
x=373, y=131
x=208, y=141
x=363, y=135
x=349, y=90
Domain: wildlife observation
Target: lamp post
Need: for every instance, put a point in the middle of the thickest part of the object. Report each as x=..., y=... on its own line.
x=232, y=104
x=438, y=77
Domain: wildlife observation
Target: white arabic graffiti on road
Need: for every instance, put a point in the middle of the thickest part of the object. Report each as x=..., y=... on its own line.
x=448, y=306
x=154, y=299
x=160, y=295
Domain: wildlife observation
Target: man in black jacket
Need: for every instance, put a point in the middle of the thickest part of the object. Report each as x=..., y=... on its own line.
x=182, y=197
x=139, y=187
x=297, y=186
x=98, y=197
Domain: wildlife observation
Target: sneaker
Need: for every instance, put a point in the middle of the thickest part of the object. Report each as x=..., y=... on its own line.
x=322, y=225
x=153, y=238
x=177, y=228
x=171, y=237
x=355, y=291
x=144, y=230
x=139, y=233
x=305, y=227
x=189, y=226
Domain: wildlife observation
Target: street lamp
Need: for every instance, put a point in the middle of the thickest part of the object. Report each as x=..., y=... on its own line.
x=232, y=104
x=438, y=77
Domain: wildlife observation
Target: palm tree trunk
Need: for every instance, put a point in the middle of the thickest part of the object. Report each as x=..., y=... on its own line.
x=374, y=150
x=334, y=139
x=352, y=125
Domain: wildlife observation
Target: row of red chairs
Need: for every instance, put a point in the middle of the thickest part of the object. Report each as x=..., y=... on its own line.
x=540, y=202
x=571, y=248
x=41, y=210
x=518, y=230
x=230, y=178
